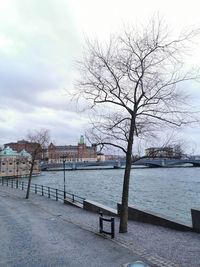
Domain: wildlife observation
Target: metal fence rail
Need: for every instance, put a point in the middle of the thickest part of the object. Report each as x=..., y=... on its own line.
x=42, y=190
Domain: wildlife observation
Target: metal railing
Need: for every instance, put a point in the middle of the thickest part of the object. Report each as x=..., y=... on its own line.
x=42, y=190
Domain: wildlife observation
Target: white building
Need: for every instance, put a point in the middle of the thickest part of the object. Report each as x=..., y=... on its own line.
x=13, y=164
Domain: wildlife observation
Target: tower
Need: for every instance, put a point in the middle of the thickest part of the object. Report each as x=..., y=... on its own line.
x=81, y=140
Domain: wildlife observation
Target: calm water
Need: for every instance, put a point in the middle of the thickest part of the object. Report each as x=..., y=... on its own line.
x=169, y=191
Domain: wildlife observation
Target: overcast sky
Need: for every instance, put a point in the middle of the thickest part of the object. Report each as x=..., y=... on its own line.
x=40, y=41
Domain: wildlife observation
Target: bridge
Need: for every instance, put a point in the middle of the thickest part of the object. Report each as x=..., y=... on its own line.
x=167, y=162
x=117, y=164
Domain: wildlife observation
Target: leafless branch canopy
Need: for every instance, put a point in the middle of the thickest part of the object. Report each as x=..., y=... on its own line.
x=137, y=78
x=39, y=140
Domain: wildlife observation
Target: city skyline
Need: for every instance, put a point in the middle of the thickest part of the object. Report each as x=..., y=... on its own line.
x=40, y=43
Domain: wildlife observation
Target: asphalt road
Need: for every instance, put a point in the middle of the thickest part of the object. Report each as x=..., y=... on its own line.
x=33, y=236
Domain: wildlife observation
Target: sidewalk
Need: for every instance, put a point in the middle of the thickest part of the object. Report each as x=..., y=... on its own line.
x=43, y=232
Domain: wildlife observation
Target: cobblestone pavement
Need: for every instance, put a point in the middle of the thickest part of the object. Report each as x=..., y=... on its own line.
x=156, y=245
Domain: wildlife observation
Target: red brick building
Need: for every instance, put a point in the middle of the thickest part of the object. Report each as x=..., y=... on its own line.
x=80, y=152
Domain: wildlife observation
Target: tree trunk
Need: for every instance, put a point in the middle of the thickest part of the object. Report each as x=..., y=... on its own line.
x=125, y=193
x=29, y=181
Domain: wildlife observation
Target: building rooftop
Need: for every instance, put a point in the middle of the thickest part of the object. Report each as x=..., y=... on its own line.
x=24, y=153
x=7, y=151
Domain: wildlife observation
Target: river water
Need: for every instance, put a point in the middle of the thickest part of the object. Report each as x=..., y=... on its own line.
x=168, y=191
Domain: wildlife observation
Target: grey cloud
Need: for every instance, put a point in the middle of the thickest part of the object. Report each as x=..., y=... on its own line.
x=34, y=67
x=45, y=43
x=64, y=126
x=16, y=104
x=19, y=79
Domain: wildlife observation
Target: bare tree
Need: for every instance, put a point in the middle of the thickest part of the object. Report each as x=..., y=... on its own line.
x=134, y=86
x=38, y=141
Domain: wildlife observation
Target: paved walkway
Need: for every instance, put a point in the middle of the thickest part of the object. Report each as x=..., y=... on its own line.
x=43, y=232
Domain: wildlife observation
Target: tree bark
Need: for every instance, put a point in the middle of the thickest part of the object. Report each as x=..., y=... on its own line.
x=29, y=182
x=125, y=193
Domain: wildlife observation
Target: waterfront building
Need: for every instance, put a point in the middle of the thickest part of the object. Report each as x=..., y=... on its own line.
x=16, y=164
x=79, y=152
x=113, y=157
x=100, y=156
x=164, y=152
x=26, y=145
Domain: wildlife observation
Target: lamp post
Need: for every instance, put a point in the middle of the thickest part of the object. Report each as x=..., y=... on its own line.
x=64, y=160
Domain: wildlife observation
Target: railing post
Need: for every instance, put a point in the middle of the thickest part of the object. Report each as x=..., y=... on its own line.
x=72, y=197
x=35, y=188
x=42, y=191
x=12, y=183
x=101, y=222
x=112, y=227
x=49, y=192
x=17, y=183
x=56, y=194
x=22, y=185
